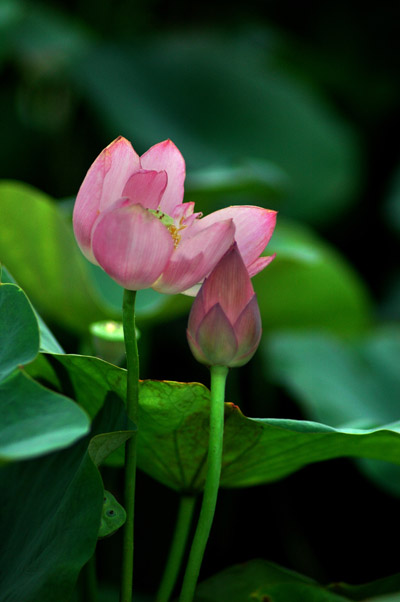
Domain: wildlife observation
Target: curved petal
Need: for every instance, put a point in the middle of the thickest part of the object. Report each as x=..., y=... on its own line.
x=183, y=214
x=216, y=337
x=259, y=264
x=248, y=332
x=165, y=156
x=131, y=245
x=195, y=349
x=229, y=285
x=102, y=186
x=146, y=188
x=195, y=257
x=254, y=228
x=196, y=315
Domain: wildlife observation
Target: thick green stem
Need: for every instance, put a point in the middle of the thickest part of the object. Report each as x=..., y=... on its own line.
x=214, y=459
x=182, y=528
x=132, y=409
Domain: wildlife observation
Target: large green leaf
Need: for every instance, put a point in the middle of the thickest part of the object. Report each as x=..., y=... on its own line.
x=173, y=434
x=53, y=507
x=19, y=331
x=223, y=101
x=55, y=504
x=253, y=180
x=47, y=339
x=342, y=383
x=309, y=285
x=261, y=581
x=35, y=420
x=339, y=382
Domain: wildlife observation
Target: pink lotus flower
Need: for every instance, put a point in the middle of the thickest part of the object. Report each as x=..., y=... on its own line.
x=129, y=218
x=224, y=326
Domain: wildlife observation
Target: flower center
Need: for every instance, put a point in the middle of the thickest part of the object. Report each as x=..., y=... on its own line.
x=176, y=237
x=169, y=222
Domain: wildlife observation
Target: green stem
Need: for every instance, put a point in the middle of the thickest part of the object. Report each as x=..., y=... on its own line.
x=214, y=459
x=182, y=528
x=132, y=409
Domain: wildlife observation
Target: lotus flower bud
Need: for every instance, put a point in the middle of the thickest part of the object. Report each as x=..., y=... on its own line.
x=224, y=326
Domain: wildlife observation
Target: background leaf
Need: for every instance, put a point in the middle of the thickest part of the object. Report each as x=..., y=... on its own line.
x=309, y=285
x=45, y=259
x=342, y=383
x=19, y=332
x=221, y=101
x=337, y=382
x=35, y=420
x=47, y=339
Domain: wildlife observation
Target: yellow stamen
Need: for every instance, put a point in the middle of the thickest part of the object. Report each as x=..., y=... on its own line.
x=169, y=223
x=176, y=237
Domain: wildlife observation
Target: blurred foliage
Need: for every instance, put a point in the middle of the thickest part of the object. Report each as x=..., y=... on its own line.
x=290, y=106
x=352, y=384
x=221, y=101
